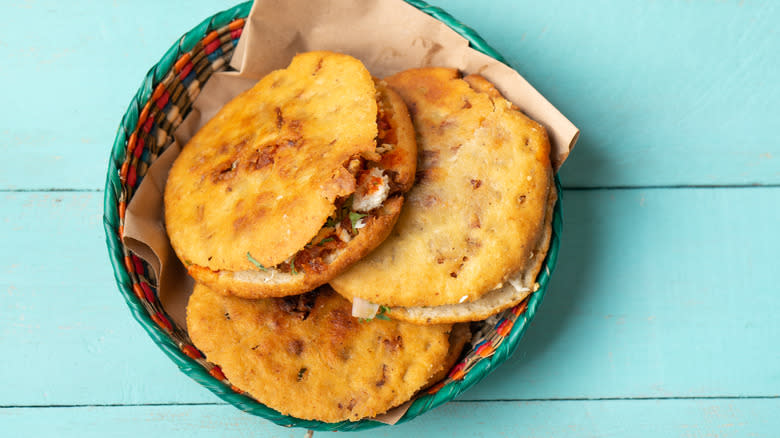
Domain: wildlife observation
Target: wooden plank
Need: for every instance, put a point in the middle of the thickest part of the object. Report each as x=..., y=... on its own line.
x=658, y=293
x=70, y=333
x=635, y=418
x=661, y=99
x=70, y=70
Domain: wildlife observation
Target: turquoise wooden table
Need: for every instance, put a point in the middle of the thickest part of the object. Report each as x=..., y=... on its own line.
x=661, y=318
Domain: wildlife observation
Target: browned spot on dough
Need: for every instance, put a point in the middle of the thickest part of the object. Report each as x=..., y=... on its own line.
x=247, y=218
x=521, y=199
x=339, y=327
x=295, y=347
x=341, y=319
x=393, y=344
x=224, y=172
x=351, y=404
x=381, y=382
x=475, y=223
x=199, y=212
x=476, y=183
x=261, y=158
x=298, y=305
x=466, y=103
x=317, y=67
x=430, y=200
x=240, y=222
x=444, y=125
x=295, y=126
x=279, y=118
x=454, y=274
x=292, y=142
x=232, y=149
x=473, y=242
x=429, y=159
x=440, y=260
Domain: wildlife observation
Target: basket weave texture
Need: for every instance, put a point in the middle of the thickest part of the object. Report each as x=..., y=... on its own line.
x=158, y=107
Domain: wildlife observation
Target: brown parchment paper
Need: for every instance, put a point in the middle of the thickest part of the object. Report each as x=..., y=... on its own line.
x=387, y=35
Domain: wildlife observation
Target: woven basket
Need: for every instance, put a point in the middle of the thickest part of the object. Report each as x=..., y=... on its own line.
x=156, y=110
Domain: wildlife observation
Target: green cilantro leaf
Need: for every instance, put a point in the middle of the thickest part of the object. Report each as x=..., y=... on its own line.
x=381, y=314
x=354, y=217
x=255, y=262
x=292, y=267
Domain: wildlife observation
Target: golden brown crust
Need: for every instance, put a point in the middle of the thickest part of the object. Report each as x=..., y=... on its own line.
x=402, y=158
x=494, y=301
x=287, y=145
x=459, y=336
x=315, y=361
x=263, y=174
x=478, y=207
x=258, y=284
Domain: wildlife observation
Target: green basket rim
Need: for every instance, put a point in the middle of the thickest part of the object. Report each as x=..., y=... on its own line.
x=196, y=371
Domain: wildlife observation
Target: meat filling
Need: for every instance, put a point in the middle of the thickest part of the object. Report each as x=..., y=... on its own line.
x=374, y=186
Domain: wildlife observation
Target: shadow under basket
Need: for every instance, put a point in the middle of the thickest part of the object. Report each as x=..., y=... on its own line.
x=163, y=100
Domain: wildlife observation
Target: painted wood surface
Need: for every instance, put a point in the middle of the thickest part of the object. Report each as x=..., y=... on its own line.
x=658, y=293
x=577, y=418
x=661, y=316
x=665, y=93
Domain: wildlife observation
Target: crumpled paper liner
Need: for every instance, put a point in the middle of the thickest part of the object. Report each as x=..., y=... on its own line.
x=388, y=36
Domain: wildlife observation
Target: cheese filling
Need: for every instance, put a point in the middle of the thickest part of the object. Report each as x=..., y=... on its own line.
x=372, y=191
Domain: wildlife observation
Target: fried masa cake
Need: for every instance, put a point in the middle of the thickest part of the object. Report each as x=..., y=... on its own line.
x=476, y=226
x=306, y=356
x=293, y=180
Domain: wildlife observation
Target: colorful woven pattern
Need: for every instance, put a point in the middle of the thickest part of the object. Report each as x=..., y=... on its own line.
x=163, y=101
x=172, y=99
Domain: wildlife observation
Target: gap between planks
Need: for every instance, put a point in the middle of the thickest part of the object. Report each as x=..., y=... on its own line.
x=520, y=400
